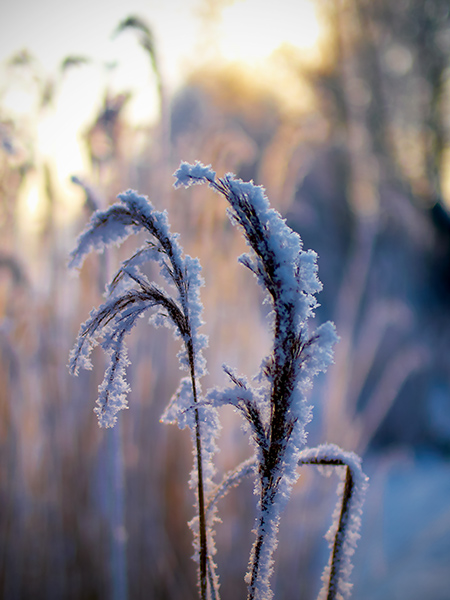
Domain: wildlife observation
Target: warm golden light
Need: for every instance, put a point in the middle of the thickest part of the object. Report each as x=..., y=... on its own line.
x=249, y=33
x=252, y=29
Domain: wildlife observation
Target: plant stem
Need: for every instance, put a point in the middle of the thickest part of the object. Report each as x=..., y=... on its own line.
x=203, y=552
x=340, y=534
x=256, y=561
x=269, y=485
x=343, y=520
x=201, y=510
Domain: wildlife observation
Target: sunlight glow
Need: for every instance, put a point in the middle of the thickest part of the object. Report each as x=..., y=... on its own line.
x=30, y=204
x=252, y=29
x=19, y=102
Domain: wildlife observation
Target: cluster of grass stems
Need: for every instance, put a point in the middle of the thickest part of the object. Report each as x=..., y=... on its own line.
x=275, y=412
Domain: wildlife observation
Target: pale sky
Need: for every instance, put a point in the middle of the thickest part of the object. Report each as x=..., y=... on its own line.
x=250, y=29
x=51, y=30
x=54, y=29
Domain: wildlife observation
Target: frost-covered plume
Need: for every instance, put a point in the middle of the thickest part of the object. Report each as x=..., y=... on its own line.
x=273, y=404
x=276, y=409
x=129, y=296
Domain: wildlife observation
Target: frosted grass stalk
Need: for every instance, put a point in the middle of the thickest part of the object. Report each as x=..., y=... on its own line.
x=276, y=409
x=129, y=296
x=344, y=531
x=273, y=403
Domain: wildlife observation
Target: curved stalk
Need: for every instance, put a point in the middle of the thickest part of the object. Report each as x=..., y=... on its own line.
x=349, y=508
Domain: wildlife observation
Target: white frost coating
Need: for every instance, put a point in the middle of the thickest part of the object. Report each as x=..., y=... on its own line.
x=231, y=480
x=80, y=355
x=188, y=174
x=330, y=453
x=130, y=294
x=113, y=390
x=308, y=272
x=179, y=409
x=322, y=355
x=130, y=268
x=230, y=395
x=289, y=276
x=106, y=228
x=276, y=411
x=295, y=271
x=182, y=411
x=237, y=395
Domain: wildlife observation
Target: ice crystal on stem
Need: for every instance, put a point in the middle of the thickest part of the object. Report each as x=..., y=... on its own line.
x=344, y=531
x=130, y=295
x=273, y=404
x=277, y=409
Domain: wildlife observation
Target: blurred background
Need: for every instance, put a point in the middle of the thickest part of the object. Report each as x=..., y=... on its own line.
x=341, y=109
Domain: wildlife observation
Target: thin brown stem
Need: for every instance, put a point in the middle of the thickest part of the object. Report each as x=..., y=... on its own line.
x=255, y=569
x=340, y=534
x=343, y=520
x=203, y=553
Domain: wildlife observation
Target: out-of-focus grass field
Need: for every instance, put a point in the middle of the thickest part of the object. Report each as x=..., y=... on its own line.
x=360, y=168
